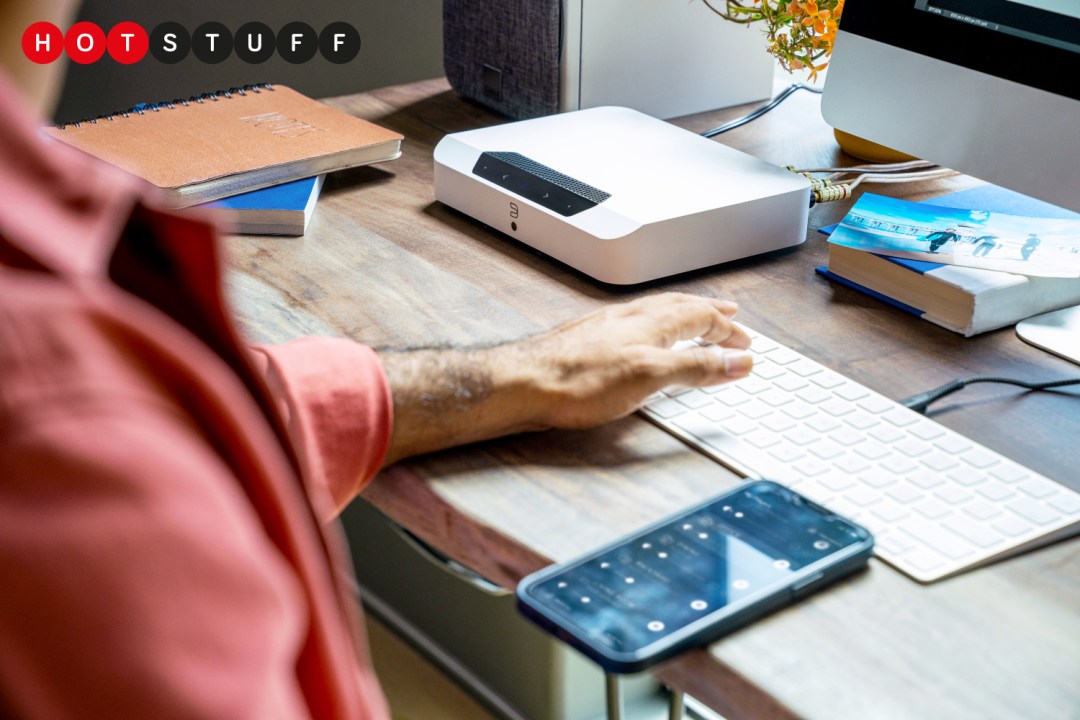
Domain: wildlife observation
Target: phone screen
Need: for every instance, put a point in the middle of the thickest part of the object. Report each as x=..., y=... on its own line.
x=722, y=554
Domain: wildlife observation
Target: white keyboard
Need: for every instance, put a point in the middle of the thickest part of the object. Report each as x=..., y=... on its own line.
x=937, y=502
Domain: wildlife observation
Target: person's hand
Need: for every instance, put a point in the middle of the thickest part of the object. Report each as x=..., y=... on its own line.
x=601, y=366
x=584, y=373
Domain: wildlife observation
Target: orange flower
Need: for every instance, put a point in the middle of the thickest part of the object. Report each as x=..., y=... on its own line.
x=815, y=18
x=800, y=33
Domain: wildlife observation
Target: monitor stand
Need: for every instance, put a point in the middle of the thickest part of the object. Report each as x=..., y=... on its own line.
x=1056, y=332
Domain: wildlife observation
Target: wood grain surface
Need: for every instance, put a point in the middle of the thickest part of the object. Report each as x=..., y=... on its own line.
x=384, y=263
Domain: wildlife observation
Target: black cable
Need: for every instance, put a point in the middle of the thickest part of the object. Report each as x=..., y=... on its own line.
x=920, y=402
x=738, y=122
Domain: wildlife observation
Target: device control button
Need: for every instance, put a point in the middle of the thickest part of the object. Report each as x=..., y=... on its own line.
x=805, y=586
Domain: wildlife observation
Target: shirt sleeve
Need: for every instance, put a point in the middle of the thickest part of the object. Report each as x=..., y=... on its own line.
x=335, y=398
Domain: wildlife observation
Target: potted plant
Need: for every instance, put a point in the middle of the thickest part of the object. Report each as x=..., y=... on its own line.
x=799, y=34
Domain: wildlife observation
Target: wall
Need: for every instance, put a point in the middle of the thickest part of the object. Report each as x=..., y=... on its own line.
x=401, y=41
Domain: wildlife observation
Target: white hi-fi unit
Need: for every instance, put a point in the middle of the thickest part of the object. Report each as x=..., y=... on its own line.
x=619, y=195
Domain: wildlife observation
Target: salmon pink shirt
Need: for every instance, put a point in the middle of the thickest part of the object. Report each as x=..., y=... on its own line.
x=167, y=548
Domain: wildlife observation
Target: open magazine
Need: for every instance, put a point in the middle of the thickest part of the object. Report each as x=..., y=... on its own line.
x=977, y=238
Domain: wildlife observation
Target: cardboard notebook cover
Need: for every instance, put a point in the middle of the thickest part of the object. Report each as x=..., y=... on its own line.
x=230, y=142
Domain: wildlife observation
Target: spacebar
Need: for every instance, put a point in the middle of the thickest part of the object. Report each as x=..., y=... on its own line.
x=727, y=448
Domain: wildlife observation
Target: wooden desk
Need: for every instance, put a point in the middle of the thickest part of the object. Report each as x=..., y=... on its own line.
x=384, y=263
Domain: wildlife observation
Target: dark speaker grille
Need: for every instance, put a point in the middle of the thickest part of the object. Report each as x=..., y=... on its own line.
x=582, y=190
x=536, y=182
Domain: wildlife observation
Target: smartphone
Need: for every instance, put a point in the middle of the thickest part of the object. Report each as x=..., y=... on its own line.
x=695, y=576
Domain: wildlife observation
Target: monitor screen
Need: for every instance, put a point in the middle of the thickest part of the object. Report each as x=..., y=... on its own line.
x=990, y=88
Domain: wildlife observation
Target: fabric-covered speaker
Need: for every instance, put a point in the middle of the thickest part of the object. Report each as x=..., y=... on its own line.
x=504, y=53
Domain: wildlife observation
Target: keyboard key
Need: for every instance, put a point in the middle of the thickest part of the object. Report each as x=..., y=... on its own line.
x=953, y=444
x=890, y=512
x=792, y=382
x=811, y=467
x=904, y=493
x=876, y=404
x=863, y=496
x=995, y=490
x=775, y=397
x=981, y=510
x=1011, y=526
x=927, y=533
x=798, y=410
x=755, y=410
x=838, y=482
x=732, y=396
x=1067, y=503
x=953, y=495
x=878, y=479
x=837, y=408
x=783, y=356
x=827, y=449
x=927, y=431
x=912, y=448
x=1038, y=488
x=768, y=371
x=851, y=464
x=926, y=480
x=898, y=464
x=762, y=439
x=886, y=434
x=828, y=380
x=802, y=436
x=931, y=508
x=753, y=385
x=901, y=417
x=894, y=543
x=805, y=368
x=787, y=453
x=844, y=435
x=873, y=450
x=939, y=462
x=778, y=423
x=763, y=344
x=862, y=420
x=924, y=559
x=852, y=392
x=1009, y=472
x=813, y=394
x=973, y=531
x=967, y=476
x=694, y=399
x=739, y=425
x=717, y=413
x=824, y=424
x=667, y=408
x=980, y=458
x=1033, y=511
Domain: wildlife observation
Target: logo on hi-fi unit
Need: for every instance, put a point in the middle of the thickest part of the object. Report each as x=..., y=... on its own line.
x=211, y=42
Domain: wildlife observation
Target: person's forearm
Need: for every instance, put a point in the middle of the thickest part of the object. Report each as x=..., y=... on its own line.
x=584, y=373
x=444, y=398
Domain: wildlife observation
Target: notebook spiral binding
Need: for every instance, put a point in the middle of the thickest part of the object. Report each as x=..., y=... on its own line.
x=143, y=108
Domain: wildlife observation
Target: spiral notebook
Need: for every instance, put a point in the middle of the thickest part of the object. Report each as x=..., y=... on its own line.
x=233, y=141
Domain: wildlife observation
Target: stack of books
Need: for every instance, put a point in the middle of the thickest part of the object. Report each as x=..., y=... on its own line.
x=256, y=155
x=962, y=299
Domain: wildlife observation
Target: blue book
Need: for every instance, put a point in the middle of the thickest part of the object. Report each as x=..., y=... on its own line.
x=279, y=210
x=965, y=300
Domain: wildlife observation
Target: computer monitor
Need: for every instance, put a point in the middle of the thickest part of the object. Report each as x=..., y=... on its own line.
x=990, y=88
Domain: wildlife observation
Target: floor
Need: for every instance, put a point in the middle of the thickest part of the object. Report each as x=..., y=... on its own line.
x=416, y=689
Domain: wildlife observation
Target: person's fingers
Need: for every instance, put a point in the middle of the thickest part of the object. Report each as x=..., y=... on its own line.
x=701, y=366
x=679, y=316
